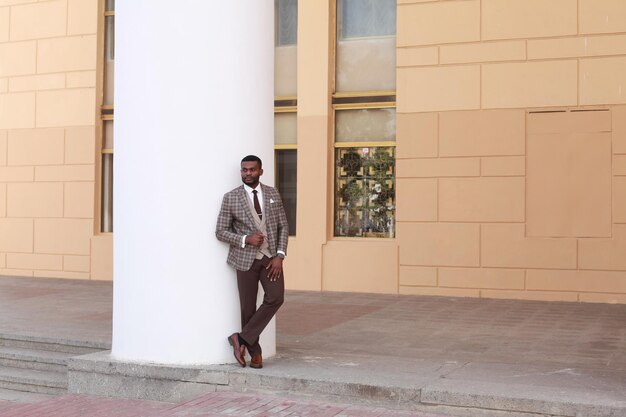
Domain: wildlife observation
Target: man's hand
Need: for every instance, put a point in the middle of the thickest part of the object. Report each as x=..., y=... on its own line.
x=275, y=268
x=255, y=239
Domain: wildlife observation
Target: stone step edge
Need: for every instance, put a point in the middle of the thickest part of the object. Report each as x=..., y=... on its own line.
x=33, y=366
x=34, y=355
x=33, y=377
x=32, y=389
x=17, y=397
x=89, y=344
x=429, y=397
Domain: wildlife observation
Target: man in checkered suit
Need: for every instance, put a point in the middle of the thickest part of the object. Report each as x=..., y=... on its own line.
x=252, y=221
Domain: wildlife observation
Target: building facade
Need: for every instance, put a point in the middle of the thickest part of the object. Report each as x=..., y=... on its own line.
x=454, y=147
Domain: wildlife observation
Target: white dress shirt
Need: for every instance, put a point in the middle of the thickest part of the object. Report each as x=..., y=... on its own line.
x=259, y=195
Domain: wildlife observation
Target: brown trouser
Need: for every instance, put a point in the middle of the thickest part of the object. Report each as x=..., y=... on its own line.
x=254, y=320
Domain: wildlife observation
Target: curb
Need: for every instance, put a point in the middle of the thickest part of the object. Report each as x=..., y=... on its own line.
x=100, y=374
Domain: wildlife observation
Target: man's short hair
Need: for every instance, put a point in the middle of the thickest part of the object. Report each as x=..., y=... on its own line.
x=252, y=158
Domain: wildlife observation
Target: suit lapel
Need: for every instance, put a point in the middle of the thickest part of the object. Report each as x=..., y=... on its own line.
x=266, y=215
x=266, y=203
x=244, y=201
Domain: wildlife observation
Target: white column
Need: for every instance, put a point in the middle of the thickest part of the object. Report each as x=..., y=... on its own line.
x=193, y=95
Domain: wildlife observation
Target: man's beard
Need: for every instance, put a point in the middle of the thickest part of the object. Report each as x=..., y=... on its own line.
x=253, y=184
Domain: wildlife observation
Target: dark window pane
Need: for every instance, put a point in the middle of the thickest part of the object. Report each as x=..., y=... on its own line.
x=107, y=193
x=286, y=179
x=365, y=197
x=286, y=22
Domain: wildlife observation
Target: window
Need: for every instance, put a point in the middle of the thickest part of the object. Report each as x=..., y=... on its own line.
x=286, y=22
x=366, y=45
x=285, y=106
x=106, y=181
x=285, y=51
x=286, y=179
x=365, y=119
x=365, y=125
x=364, y=191
x=106, y=116
x=366, y=18
x=365, y=172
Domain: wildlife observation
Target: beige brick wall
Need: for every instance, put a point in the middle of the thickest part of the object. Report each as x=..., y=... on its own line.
x=468, y=54
x=470, y=174
x=48, y=65
x=509, y=186
x=515, y=204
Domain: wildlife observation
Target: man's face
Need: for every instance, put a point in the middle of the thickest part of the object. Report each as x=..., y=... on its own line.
x=250, y=173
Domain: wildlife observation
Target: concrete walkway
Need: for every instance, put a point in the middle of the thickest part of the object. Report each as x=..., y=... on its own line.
x=466, y=357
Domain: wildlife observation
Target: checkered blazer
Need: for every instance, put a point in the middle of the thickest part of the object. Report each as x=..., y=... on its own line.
x=235, y=220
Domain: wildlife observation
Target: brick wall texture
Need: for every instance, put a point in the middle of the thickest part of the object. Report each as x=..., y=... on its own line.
x=511, y=149
x=48, y=60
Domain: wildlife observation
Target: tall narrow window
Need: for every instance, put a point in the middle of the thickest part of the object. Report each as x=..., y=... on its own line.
x=365, y=118
x=285, y=105
x=286, y=178
x=106, y=114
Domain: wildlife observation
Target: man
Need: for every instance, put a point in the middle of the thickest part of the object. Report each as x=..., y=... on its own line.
x=253, y=221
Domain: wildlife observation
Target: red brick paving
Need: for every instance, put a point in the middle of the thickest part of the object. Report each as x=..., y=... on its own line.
x=217, y=404
x=86, y=406
x=5, y=405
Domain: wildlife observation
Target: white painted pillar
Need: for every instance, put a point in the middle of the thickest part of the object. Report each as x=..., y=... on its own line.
x=193, y=95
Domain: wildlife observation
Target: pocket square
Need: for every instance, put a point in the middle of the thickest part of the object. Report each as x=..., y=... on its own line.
x=271, y=201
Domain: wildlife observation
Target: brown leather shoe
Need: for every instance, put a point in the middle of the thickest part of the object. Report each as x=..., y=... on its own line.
x=233, y=340
x=256, y=361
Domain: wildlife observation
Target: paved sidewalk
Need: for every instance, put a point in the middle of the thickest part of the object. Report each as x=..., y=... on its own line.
x=453, y=353
x=218, y=404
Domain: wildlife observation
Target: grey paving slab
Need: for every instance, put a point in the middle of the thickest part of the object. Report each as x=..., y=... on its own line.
x=547, y=400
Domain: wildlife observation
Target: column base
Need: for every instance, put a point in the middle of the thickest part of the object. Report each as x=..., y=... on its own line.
x=103, y=375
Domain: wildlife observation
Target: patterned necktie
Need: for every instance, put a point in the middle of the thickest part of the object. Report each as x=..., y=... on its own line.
x=257, y=206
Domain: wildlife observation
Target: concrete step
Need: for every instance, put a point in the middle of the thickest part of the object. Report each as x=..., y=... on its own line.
x=29, y=380
x=22, y=397
x=55, y=345
x=42, y=360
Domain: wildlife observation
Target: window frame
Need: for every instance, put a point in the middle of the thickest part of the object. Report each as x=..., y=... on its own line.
x=353, y=100
x=285, y=104
x=356, y=144
x=105, y=113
